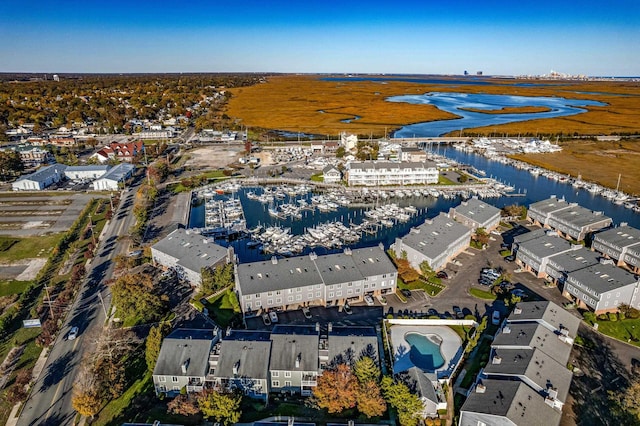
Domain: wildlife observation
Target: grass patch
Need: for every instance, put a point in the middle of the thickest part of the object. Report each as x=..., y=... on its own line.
x=28, y=247
x=444, y=181
x=505, y=253
x=222, y=310
x=13, y=287
x=473, y=364
x=627, y=330
x=115, y=408
x=462, y=331
x=317, y=177
x=482, y=294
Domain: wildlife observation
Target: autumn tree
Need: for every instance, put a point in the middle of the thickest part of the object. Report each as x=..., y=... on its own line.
x=399, y=396
x=86, y=398
x=369, y=399
x=481, y=236
x=222, y=406
x=159, y=171
x=217, y=278
x=10, y=164
x=154, y=342
x=366, y=370
x=336, y=389
x=136, y=296
x=183, y=405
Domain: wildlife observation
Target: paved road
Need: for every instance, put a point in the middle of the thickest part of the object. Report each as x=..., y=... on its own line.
x=50, y=401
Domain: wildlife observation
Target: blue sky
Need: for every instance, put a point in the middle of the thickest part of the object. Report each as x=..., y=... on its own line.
x=423, y=37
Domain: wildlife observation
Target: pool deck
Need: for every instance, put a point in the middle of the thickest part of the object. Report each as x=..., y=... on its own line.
x=451, y=345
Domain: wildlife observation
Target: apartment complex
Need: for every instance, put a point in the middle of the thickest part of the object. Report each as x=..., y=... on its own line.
x=621, y=244
x=568, y=219
x=314, y=280
x=379, y=173
x=475, y=214
x=436, y=242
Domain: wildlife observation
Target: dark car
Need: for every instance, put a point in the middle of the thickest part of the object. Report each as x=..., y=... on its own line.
x=458, y=312
x=406, y=292
x=510, y=258
x=442, y=275
x=432, y=312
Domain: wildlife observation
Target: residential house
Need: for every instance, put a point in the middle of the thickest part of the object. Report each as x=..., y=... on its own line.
x=103, y=155
x=183, y=361
x=436, y=242
x=32, y=156
x=294, y=363
x=413, y=155
x=243, y=363
x=331, y=174
x=500, y=402
x=379, y=173
x=622, y=244
x=188, y=253
x=63, y=141
x=314, y=280
x=532, y=335
x=349, y=142
x=428, y=389
x=114, y=178
x=602, y=287
x=475, y=214
x=540, y=212
x=40, y=179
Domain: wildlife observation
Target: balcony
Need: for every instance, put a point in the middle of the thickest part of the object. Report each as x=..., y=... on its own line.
x=309, y=380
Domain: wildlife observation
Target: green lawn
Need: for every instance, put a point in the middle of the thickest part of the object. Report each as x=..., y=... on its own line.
x=317, y=177
x=221, y=310
x=27, y=248
x=482, y=294
x=627, y=330
x=444, y=181
x=13, y=287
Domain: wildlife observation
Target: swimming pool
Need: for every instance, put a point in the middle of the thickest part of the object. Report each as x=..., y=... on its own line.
x=425, y=350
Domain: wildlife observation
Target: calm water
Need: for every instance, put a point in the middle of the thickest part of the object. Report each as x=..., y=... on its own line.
x=466, y=81
x=424, y=353
x=454, y=102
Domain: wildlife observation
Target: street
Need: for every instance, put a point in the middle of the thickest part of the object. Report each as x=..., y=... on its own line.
x=50, y=400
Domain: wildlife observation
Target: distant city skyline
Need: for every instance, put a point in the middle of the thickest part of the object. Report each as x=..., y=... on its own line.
x=591, y=38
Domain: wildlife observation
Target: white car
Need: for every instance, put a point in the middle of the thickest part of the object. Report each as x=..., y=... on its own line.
x=73, y=333
x=368, y=299
x=273, y=316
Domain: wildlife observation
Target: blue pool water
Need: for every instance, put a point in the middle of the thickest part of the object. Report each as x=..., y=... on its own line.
x=425, y=351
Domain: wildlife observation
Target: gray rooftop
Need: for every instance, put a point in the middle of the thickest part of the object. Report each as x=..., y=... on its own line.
x=258, y=277
x=88, y=168
x=534, y=364
x=513, y=400
x=377, y=165
x=291, y=343
x=603, y=277
x=248, y=351
x=432, y=237
x=280, y=274
x=546, y=313
x=534, y=335
x=329, y=167
x=476, y=210
x=119, y=172
x=351, y=343
x=188, y=346
x=575, y=259
x=532, y=235
x=622, y=236
x=549, y=205
x=579, y=217
x=193, y=250
x=423, y=385
x=44, y=173
x=546, y=245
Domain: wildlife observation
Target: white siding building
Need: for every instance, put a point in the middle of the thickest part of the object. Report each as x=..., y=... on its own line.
x=378, y=173
x=111, y=180
x=40, y=179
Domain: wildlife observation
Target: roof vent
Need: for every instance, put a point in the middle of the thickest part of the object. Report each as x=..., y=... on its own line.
x=480, y=388
x=274, y=260
x=298, y=358
x=184, y=366
x=496, y=360
x=506, y=330
x=517, y=311
x=236, y=367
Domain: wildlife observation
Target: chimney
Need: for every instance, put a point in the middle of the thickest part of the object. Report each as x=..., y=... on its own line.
x=553, y=393
x=313, y=256
x=496, y=360
x=347, y=251
x=480, y=388
x=506, y=330
x=517, y=310
x=184, y=366
x=291, y=421
x=274, y=260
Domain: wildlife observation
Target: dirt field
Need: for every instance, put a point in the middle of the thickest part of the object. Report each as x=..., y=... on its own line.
x=213, y=157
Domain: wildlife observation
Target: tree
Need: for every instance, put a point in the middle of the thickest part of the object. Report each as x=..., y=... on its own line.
x=154, y=342
x=10, y=163
x=398, y=395
x=135, y=296
x=222, y=406
x=366, y=370
x=626, y=403
x=217, y=278
x=183, y=405
x=369, y=399
x=481, y=236
x=336, y=389
x=86, y=398
x=340, y=152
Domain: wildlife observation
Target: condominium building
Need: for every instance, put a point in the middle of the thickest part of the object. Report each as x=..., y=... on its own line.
x=379, y=173
x=436, y=242
x=475, y=214
x=621, y=243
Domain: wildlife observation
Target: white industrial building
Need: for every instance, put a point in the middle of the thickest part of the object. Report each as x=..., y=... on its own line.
x=111, y=180
x=40, y=179
x=86, y=172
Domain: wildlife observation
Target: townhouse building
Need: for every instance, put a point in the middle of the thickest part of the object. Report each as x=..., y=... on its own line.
x=560, y=265
x=436, y=242
x=602, y=287
x=533, y=255
x=380, y=173
x=621, y=244
x=187, y=253
x=314, y=280
x=475, y=214
x=295, y=359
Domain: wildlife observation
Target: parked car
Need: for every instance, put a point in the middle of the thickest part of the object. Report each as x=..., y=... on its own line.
x=519, y=293
x=432, y=312
x=273, y=316
x=442, y=275
x=266, y=320
x=458, y=312
x=73, y=333
x=347, y=309
x=368, y=299
x=406, y=292
x=495, y=318
x=306, y=312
